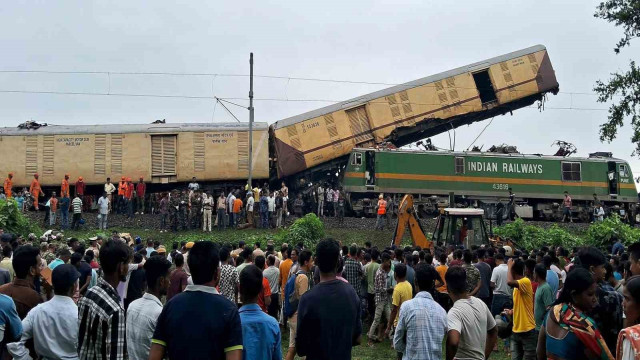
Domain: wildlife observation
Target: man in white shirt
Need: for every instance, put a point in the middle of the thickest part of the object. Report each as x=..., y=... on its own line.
x=230, y=200
x=320, y=200
x=109, y=188
x=143, y=313
x=501, y=291
x=103, y=212
x=52, y=325
x=329, y=193
x=472, y=330
x=250, y=203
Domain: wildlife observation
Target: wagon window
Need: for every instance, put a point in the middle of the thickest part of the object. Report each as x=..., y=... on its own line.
x=356, y=159
x=623, y=170
x=571, y=171
x=459, y=165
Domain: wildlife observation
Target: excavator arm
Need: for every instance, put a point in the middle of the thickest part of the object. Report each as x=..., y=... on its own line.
x=407, y=218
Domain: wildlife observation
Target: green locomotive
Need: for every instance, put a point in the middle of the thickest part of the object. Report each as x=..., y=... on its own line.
x=483, y=179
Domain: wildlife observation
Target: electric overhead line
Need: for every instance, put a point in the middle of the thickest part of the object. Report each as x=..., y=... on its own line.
x=288, y=78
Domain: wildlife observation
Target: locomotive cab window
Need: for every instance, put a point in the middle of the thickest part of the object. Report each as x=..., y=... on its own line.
x=356, y=159
x=459, y=165
x=623, y=171
x=571, y=171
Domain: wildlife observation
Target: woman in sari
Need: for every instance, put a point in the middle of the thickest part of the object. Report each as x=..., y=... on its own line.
x=567, y=333
x=629, y=338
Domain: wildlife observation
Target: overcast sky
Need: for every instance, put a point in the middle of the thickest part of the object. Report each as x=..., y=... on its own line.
x=374, y=41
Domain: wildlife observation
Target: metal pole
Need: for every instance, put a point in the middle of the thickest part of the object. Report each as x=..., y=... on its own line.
x=250, y=120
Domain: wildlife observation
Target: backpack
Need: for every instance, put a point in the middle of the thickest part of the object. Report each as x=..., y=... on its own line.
x=291, y=304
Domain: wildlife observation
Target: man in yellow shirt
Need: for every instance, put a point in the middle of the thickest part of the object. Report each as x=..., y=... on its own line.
x=402, y=292
x=524, y=337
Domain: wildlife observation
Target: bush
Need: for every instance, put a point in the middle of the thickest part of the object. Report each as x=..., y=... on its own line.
x=13, y=221
x=532, y=237
x=308, y=230
x=600, y=233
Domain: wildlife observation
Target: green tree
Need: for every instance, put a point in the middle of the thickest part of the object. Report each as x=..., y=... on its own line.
x=624, y=86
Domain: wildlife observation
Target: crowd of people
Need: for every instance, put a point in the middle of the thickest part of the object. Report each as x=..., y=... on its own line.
x=123, y=297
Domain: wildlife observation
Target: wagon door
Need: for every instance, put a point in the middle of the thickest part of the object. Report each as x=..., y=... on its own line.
x=612, y=177
x=163, y=156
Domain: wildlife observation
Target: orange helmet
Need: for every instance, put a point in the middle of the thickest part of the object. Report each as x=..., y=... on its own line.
x=10, y=174
x=80, y=178
x=123, y=178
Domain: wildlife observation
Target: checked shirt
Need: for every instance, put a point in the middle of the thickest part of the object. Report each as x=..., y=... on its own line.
x=101, y=334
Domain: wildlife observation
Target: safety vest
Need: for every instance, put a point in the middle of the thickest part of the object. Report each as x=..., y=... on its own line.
x=122, y=188
x=382, y=207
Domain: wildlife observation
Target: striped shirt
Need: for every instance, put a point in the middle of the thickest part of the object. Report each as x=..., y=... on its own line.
x=77, y=205
x=102, y=320
x=422, y=324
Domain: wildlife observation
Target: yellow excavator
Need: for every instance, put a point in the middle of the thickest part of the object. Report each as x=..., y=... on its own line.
x=455, y=226
x=408, y=219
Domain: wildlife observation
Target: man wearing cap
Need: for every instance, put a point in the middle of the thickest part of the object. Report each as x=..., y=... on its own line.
x=207, y=208
x=80, y=187
x=122, y=189
x=35, y=190
x=109, y=188
x=8, y=184
x=141, y=189
x=64, y=188
x=52, y=342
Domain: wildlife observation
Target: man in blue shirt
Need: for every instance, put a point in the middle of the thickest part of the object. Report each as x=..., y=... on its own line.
x=260, y=332
x=422, y=322
x=199, y=310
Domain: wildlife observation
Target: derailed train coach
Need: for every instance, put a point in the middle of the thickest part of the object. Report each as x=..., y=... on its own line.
x=484, y=179
x=160, y=153
x=402, y=114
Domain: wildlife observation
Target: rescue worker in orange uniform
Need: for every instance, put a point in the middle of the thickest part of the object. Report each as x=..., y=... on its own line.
x=35, y=190
x=64, y=189
x=80, y=186
x=8, y=184
x=382, y=212
x=129, y=196
x=122, y=189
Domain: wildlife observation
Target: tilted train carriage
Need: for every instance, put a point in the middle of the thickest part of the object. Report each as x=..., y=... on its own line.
x=483, y=179
x=321, y=139
x=161, y=153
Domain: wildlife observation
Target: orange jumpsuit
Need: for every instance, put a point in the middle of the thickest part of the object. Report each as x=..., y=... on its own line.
x=64, y=189
x=8, y=184
x=35, y=189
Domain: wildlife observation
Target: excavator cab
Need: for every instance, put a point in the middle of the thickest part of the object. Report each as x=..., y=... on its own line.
x=461, y=227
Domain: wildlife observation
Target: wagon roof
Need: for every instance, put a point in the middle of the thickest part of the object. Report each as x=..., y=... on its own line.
x=130, y=128
x=411, y=84
x=494, y=155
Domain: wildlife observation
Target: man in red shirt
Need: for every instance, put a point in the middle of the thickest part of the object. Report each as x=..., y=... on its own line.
x=141, y=189
x=80, y=186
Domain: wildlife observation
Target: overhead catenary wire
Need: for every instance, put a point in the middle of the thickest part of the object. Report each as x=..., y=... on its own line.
x=214, y=75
